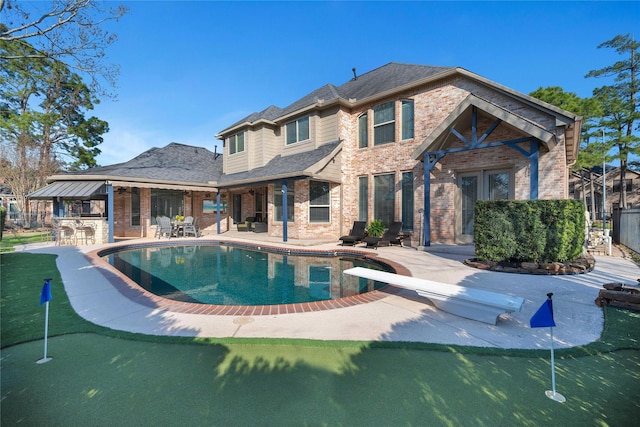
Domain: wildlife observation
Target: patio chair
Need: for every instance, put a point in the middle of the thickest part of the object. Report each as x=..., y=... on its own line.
x=356, y=235
x=164, y=227
x=246, y=225
x=65, y=233
x=191, y=228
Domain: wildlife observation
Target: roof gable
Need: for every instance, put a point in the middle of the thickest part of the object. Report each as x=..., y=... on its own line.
x=460, y=117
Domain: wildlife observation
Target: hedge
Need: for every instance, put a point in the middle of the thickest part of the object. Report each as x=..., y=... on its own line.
x=529, y=230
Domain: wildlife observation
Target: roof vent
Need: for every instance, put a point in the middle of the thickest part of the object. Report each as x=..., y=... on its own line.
x=355, y=76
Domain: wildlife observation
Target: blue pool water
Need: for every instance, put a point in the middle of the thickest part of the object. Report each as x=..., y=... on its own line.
x=230, y=275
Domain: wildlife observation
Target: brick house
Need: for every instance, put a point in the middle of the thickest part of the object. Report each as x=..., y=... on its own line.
x=359, y=151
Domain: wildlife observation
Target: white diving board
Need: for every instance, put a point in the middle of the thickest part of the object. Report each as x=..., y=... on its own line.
x=475, y=304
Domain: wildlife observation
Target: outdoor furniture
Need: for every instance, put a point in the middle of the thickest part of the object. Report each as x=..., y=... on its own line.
x=164, y=227
x=475, y=304
x=259, y=227
x=246, y=225
x=356, y=235
x=66, y=234
x=191, y=228
x=84, y=232
x=392, y=236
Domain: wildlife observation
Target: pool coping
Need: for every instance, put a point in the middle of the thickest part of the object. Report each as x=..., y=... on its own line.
x=134, y=292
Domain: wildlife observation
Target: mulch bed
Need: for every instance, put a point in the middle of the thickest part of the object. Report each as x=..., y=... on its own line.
x=578, y=266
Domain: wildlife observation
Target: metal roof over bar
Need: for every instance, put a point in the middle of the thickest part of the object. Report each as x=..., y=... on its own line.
x=77, y=189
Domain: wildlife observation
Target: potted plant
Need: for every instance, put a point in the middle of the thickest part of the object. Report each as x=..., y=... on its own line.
x=375, y=228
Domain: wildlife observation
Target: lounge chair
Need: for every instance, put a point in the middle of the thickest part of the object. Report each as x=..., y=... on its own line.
x=356, y=235
x=392, y=236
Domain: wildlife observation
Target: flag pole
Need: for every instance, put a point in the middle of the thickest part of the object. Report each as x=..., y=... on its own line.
x=45, y=297
x=551, y=394
x=541, y=319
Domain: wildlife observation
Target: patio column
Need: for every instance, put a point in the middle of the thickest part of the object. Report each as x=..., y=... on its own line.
x=110, y=209
x=218, y=210
x=285, y=214
x=429, y=161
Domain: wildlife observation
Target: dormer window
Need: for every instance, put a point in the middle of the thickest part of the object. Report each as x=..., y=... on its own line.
x=297, y=130
x=384, y=123
x=236, y=143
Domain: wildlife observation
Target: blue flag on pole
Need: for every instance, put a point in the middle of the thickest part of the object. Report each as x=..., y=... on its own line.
x=544, y=316
x=46, y=292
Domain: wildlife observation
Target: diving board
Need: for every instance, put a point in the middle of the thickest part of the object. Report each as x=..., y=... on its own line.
x=475, y=304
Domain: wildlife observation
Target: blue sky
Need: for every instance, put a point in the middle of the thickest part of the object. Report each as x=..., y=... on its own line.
x=188, y=69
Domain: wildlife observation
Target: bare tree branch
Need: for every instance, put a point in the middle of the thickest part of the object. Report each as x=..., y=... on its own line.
x=70, y=31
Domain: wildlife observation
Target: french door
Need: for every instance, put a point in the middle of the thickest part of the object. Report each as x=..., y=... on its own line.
x=479, y=185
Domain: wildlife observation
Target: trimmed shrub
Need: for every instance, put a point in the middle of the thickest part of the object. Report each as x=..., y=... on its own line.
x=500, y=243
x=529, y=230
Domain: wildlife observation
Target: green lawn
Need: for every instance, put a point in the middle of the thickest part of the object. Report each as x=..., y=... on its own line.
x=104, y=377
x=11, y=239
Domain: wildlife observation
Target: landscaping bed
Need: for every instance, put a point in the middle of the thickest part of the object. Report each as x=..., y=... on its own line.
x=578, y=266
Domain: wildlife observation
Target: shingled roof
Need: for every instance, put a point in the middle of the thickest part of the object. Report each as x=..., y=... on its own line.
x=176, y=163
x=284, y=167
x=369, y=84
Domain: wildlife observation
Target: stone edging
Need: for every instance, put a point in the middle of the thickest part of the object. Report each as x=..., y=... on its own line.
x=578, y=266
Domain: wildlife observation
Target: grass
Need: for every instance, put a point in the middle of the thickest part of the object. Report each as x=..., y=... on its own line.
x=103, y=377
x=11, y=239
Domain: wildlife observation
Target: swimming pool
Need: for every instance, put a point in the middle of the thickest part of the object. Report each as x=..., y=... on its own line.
x=227, y=274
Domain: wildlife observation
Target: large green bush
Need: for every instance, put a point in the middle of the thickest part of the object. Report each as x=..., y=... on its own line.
x=529, y=230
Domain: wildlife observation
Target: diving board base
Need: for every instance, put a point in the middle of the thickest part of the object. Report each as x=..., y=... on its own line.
x=476, y=304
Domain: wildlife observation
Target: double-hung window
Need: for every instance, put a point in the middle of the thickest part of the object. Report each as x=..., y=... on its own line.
x=298, y=130
x=363, y=131
x=319, y=201
x=407, y=119
x=236, y=143
x=384, y=123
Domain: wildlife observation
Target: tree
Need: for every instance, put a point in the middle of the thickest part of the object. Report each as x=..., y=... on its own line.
x=70, y=31
x=591, y=151
x=619, y=102
x=42, y=120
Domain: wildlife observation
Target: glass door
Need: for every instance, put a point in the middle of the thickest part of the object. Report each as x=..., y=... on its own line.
x=469, y=185
x=260, y=199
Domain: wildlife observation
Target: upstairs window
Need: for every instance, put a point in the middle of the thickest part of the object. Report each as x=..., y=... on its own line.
x=407, y=119
x=628, y=186
x=384, y=123
x=363, y=131
x=236, y=143
x=298, y=130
